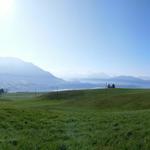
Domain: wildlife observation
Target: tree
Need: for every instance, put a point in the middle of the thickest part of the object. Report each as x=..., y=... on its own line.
x=2, y=91
x=113, y=86
x=109, y=86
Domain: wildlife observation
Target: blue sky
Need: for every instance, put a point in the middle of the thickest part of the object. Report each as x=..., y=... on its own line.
x=72, y=37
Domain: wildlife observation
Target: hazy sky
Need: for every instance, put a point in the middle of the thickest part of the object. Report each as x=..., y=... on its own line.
x=69, y=37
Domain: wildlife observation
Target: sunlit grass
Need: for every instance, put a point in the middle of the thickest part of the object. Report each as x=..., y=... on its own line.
x=77, y=120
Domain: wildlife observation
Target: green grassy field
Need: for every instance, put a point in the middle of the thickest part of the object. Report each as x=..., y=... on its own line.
x=114, y=119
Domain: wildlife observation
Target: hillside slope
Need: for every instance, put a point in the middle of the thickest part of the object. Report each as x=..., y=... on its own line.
x=116, y=119
x=120, y=99
x=20, y=76
x=17, y=75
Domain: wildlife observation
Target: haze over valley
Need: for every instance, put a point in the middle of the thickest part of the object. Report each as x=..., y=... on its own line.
x=17, y=75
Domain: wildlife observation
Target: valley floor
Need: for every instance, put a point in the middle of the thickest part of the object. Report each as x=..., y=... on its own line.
x=116, y=119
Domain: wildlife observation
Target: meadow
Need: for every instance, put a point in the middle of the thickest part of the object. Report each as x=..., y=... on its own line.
x=106, y=119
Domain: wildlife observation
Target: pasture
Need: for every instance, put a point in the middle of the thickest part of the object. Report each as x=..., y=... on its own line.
x=110, y=119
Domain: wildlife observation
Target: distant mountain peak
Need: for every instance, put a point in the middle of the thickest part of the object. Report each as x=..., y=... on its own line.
x=19, y=75
x=16, y=66
x=11, y=59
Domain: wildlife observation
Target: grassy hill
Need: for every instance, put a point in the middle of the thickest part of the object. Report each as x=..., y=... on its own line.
x=108, y=99
x=112, y=119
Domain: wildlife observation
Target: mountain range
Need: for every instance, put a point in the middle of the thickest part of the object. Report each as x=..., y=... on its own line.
x=17, y=75
x=120, y=81
x=20, y=76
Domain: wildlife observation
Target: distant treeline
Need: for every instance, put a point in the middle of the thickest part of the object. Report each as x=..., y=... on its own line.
x=111, y=86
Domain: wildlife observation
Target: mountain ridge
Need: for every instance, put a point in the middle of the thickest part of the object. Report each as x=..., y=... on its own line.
x=18, y=75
